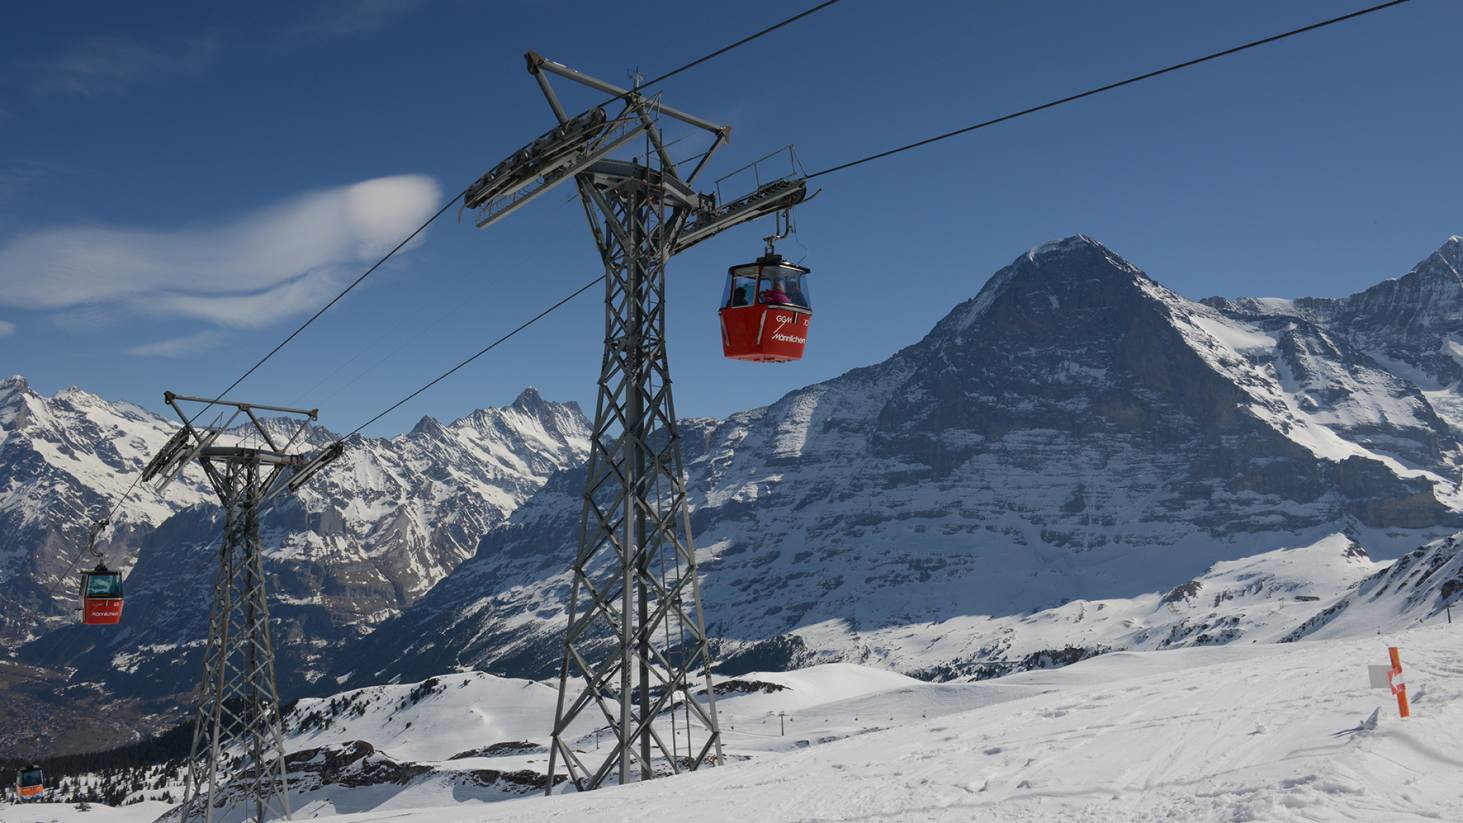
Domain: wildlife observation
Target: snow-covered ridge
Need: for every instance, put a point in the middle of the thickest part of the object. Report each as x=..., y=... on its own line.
x=1406, y=325
x=433, y=720
x=1417, y=587
x=92, y=445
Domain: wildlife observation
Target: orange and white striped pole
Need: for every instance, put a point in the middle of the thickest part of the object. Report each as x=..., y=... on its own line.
x=1394, y=679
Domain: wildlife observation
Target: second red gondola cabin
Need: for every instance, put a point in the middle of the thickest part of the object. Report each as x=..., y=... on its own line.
x=101, y=597
x=30, y=783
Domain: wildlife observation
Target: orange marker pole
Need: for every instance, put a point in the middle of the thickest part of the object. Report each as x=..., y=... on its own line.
x=1399, y=687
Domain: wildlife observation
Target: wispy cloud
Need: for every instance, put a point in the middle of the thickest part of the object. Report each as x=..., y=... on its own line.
x=179, y=346
x=101, y=65
x=7, y=328
x=340, y=20
x=255, y=270
x=88, y=318
x=252, y=310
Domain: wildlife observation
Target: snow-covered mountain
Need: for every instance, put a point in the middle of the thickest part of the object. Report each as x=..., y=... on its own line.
x=64, y=460
x=1074, y=461
x=1073, y=435
x=364, y=539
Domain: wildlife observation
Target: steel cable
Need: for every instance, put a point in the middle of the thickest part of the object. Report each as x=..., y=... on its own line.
x=1109, y=87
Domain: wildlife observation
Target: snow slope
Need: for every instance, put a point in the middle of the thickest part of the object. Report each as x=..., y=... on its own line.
x=1259, y=598
x=145, y=812
x=1236, y=733
x=1243, y=732
x=428, y=721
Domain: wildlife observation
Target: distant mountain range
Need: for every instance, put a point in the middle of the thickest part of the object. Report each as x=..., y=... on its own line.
x=366, y=538
x=1075, y=460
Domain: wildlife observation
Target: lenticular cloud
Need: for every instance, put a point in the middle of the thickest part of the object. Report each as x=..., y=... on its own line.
x=304, y=236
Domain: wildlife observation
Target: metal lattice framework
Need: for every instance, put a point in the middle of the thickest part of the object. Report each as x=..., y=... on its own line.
x=636, y=653
x=236, y=767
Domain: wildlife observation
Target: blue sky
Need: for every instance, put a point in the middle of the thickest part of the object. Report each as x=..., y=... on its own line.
x=181, y=184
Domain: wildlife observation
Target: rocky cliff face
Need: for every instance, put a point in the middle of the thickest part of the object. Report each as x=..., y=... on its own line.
x=364, y=539
x=1412, y=325
x=1074, y=433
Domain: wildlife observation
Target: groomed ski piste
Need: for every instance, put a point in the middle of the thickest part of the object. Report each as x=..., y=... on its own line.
x=1242, y=732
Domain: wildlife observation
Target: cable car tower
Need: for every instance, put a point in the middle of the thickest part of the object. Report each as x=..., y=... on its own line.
x=635, y=650
x=238, y=736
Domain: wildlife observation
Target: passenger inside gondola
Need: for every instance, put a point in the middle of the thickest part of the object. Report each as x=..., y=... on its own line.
x=740, y=290
x=775, y=295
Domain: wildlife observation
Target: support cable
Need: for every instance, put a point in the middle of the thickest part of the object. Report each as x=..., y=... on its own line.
x=946, y=135
x=484, y=350
x=1109, y=87
x=450, y=203
x=719, y=52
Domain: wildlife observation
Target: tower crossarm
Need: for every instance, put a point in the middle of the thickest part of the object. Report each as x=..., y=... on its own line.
x=767, y=199
x=537, y=63
x=556, y=157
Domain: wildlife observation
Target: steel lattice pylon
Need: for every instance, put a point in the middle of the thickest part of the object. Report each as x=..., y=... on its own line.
x=236, y=766
x=636, y=653
x=635, y=571
x=237, y=702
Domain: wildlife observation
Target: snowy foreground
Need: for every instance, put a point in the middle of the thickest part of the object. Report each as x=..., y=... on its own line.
x=1227, y=733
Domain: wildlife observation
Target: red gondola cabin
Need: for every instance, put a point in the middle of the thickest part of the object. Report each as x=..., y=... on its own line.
x=101, y=597
x=765, y=312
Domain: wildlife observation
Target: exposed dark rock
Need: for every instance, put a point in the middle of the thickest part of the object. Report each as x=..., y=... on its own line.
x=507, y=747
x=1183, y=591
